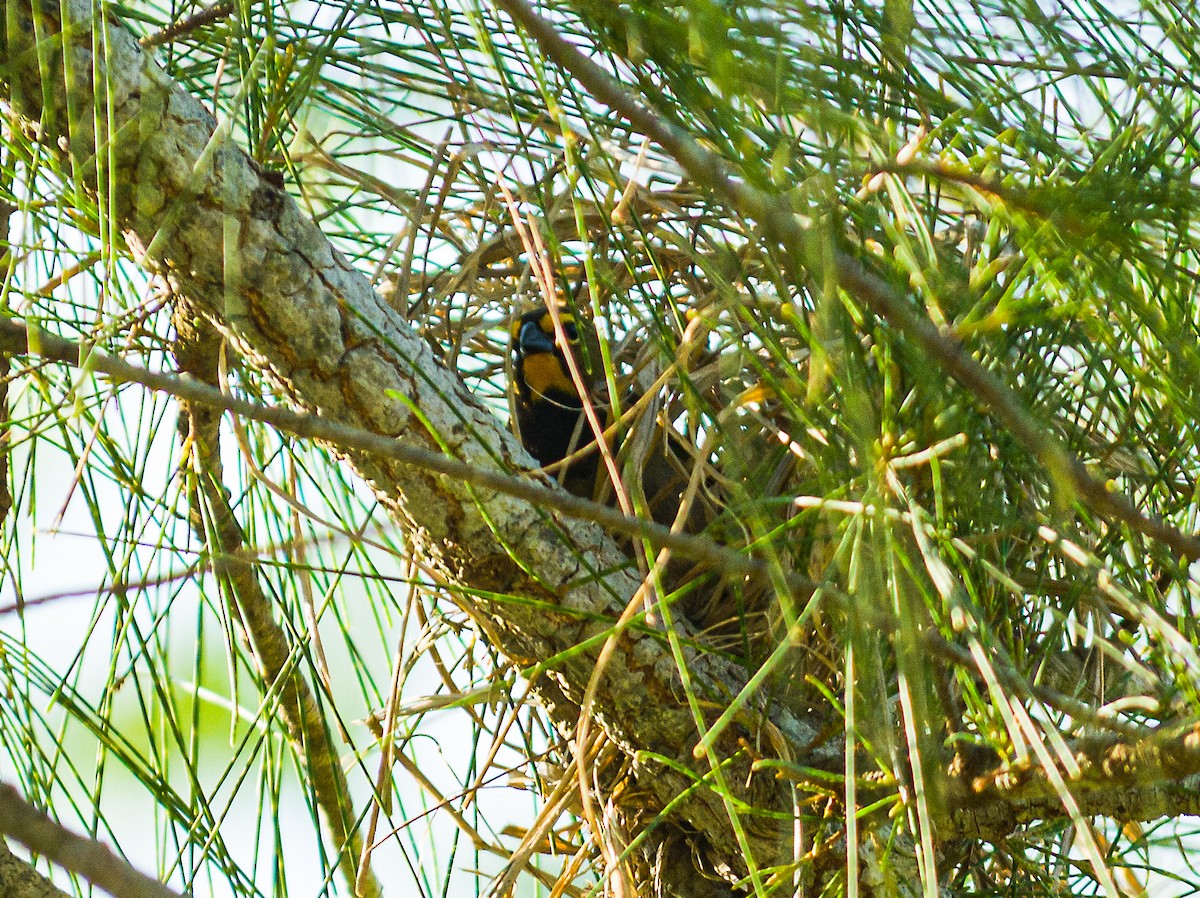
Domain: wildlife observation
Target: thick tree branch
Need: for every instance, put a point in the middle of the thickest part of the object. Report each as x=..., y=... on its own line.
x=19, y=879
x=1158, y=776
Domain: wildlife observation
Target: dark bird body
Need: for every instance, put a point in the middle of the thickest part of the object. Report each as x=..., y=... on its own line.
x=551, y=424
x=549, y=410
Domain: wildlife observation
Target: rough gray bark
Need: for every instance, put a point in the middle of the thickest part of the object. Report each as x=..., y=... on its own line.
x=196, y=210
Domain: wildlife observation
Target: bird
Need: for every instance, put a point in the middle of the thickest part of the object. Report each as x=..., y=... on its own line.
x=546, y=399
x=655, y=459
x=552, y=426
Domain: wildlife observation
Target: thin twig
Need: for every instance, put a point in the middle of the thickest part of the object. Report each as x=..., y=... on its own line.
x=191, y=23
x=14, y=339
x=215, y=522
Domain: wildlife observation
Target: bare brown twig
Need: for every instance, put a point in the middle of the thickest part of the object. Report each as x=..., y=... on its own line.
x=177, y=29
x=15, y=340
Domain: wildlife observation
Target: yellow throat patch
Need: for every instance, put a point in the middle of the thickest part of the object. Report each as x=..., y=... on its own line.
x=545, y=373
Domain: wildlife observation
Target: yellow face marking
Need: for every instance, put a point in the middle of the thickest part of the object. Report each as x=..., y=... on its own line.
x=543, y=373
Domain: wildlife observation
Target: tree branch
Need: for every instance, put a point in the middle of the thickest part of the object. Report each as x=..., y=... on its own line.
x=15, y=339
x=1146, y=779
x=92, y=860
x=19, y=879
x=196, y=348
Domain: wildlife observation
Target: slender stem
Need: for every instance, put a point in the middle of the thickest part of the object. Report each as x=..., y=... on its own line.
x=16, y=340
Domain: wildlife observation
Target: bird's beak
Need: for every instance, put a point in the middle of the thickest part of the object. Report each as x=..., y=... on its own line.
x=532, y=339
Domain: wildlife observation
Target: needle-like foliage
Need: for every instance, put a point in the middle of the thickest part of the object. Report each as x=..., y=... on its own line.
x=906, y=293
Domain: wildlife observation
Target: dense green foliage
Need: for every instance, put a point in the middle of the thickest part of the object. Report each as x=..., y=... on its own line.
x=1019, y=176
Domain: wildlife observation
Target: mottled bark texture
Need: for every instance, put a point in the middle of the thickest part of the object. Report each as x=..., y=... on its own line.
x=195, y=209
x=18, y=878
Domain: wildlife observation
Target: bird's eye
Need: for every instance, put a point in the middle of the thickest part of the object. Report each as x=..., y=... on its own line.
x=571, y=331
